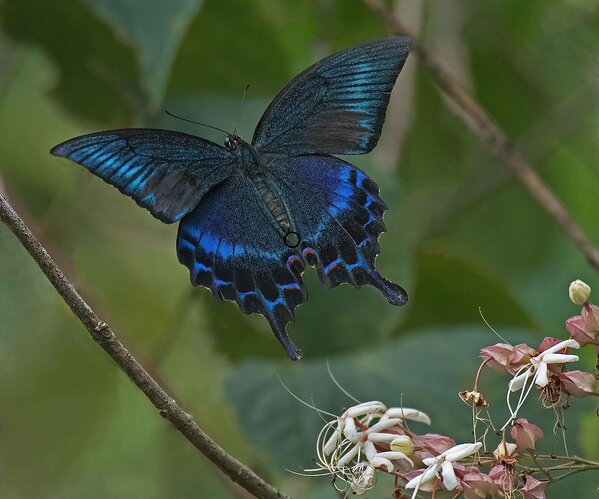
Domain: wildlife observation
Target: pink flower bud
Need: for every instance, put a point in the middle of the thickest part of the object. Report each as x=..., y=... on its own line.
x=579, y=383
x=533, y=489
x=576, y=327
x=525, y=434
x=590, y=315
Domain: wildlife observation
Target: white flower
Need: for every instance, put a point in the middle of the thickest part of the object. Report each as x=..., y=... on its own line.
x=367, y=437
x=537, y=369
x=444, y=463
x=538, y=365
x=406, y=413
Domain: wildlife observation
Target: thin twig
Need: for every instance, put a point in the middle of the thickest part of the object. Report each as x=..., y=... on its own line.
x=103, y=335
x=476, y=118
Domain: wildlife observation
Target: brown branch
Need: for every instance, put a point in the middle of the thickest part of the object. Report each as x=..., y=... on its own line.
x=476, y=118
x=102, y=334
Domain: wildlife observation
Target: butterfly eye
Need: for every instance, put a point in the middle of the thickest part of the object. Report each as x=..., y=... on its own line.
x=228, y=143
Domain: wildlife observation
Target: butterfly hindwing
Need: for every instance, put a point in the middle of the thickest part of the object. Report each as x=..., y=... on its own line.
x=338, y=214
x=336, y=106
x=164, y=171
x=231, y=246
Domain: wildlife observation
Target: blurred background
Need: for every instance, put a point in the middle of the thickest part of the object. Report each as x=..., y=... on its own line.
x=463, y=234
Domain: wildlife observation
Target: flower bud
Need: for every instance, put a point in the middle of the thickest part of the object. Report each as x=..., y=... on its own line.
x=402, y=443
x=505, y=450
x=579, y=292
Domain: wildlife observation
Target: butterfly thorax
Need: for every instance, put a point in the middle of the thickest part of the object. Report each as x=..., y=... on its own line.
x=252, y=166
x=248, y=158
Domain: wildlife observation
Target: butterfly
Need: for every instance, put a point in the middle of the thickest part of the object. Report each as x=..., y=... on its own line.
x=254, y=215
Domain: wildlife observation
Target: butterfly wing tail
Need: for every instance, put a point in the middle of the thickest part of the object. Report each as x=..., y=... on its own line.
x=280, y=331
x=394, y=293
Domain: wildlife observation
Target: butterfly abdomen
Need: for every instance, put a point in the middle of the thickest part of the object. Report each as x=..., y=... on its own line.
x=273, y=203
x=252, y=166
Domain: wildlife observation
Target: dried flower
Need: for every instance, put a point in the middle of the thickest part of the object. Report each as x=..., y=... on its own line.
x=475, y=399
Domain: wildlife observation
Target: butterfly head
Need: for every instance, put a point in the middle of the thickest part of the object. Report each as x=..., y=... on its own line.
x=232, y=142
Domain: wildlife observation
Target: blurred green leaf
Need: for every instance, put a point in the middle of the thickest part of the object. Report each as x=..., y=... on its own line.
x=154, y=29
x=451, y=291
x=97, y=72
x=406, y=371
x=59, y=387
x=227, y=46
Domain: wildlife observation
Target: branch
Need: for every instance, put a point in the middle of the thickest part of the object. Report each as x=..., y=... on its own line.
x=103, y=335
x=476, y=118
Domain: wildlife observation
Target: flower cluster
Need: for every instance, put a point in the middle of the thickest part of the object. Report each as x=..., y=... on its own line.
x=544, y=367
x=369, y=438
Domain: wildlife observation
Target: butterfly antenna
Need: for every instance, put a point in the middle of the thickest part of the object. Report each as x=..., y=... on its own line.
x=242, y=106
x=196, y=122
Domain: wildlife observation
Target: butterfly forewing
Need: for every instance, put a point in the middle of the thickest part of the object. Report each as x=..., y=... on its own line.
x=164, y=171
x=337, y=106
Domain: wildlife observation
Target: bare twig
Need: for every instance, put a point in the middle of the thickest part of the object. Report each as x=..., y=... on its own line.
x=102, y=334
x=475, y=117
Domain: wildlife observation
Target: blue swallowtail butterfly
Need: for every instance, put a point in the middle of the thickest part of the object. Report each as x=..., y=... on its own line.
x=253, y=215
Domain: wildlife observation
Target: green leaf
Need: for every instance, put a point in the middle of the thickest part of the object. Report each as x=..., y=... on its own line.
x=57, y=386
x=97, y=76
x=229, y=45
x=451, y=290
x=154, y=29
